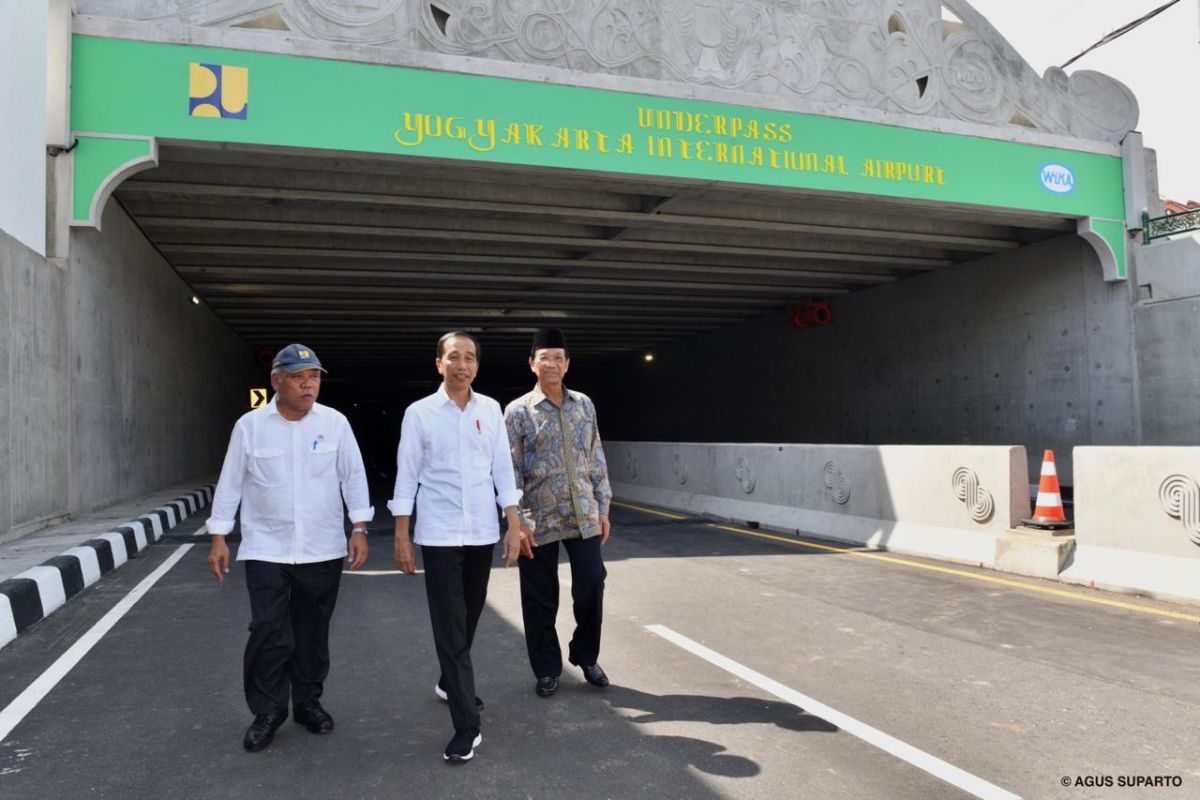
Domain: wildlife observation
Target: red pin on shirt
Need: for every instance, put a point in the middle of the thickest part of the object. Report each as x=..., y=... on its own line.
x=478, y=428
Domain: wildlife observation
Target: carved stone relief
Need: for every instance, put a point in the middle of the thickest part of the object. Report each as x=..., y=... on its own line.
x=837, y=482
x=679, y=467
x=362, y=21
x=965, y=482
x=925, y=58
x=1180, y=498
x=743, y=473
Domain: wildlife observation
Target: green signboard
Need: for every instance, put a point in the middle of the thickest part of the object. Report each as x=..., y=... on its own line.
x=141, y=91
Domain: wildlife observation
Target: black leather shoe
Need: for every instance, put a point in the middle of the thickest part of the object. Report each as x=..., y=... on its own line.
x=440, y=691
x=594, y=675
x=262, y=730
x=462, y=746
x=313, y=717
x=547, y=686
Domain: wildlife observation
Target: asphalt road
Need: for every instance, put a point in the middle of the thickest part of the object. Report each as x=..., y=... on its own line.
x=743, y=666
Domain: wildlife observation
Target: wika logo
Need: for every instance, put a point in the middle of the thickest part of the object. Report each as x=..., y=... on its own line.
x=218, y=91
x=1057, y=178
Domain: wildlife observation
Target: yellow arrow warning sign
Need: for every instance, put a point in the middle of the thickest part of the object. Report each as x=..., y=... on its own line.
x=258, y=398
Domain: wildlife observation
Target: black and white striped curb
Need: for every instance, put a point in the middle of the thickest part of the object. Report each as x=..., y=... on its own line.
x=36, y=592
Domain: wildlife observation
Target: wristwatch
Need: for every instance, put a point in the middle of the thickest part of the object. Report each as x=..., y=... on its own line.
x=363, y=531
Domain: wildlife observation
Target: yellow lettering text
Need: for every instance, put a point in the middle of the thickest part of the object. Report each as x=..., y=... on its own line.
x=485, y=141
x=512, y=133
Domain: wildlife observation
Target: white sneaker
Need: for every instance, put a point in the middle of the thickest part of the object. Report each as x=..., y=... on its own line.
x=462, y=746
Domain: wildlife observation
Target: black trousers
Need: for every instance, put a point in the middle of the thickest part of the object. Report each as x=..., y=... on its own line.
x=456, y=581
x=539, y=604
x=290, y=609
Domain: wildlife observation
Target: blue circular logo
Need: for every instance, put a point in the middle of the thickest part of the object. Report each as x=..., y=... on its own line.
x=1057, y=178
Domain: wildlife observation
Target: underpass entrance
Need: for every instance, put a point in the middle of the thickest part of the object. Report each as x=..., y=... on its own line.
x=364, y=209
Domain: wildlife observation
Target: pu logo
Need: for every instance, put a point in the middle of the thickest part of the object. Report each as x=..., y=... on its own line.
x=218, y=91
x=1058, y=178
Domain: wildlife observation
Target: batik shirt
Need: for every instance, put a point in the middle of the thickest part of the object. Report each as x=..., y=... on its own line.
x=559, y=464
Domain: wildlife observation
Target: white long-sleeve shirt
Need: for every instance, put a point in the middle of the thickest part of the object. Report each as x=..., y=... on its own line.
x=459, y=458
x=290, y=479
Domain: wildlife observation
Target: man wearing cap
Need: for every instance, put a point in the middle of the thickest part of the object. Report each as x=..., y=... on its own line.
x=561, y=471
x=289, y=465
x=454, y=449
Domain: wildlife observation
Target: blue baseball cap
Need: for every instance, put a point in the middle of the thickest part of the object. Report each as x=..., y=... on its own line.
x=296, y=358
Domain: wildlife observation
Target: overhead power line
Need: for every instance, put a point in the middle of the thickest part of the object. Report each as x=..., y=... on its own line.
x=1121, y=31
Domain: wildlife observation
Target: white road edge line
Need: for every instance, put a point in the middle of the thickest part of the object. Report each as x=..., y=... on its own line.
x=201, y=531
x=889, y=744
x=27, y=700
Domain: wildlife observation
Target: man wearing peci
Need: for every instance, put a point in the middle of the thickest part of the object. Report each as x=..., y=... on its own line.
x=454, y=450
x=290, y=465
x=561, y=471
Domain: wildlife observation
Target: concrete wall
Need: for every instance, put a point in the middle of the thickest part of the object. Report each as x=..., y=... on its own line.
x=157, y=382
x=23, y=32
x=34, y=395
x=1169, y=371
x=112, y=383
x=1167, y=322
x=1169, y=269
x=1028, y=348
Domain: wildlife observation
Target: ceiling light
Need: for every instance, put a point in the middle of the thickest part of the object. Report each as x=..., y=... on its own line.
x=195, y=300
x=649, y=357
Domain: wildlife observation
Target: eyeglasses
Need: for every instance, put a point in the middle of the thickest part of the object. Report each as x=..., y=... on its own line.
x=555, y=359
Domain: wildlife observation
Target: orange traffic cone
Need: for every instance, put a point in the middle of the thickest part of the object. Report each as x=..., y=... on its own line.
x=1048, y=511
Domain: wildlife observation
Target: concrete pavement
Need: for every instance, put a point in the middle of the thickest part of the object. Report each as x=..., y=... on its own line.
x=1004, y=689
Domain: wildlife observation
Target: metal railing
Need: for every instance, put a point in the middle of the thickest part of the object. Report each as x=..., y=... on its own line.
x=1170, y=225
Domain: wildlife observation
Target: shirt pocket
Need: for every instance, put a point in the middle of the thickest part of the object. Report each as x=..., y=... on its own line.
x=267, y=467
x=483, y=440
x=321, y=460
x=579, y=429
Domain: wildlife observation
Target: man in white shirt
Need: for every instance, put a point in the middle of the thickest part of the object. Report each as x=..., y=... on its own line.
x=454, y=448
x=290, y=465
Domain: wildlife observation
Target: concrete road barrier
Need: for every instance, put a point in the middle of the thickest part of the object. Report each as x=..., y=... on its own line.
x=1137, y=520
x=949, y=503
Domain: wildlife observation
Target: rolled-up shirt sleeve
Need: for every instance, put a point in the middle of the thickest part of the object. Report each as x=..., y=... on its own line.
x=408, y=465
x=353, y=477
x=512, y=426
x=507, y=493
x=228, y=496
x=598, y=467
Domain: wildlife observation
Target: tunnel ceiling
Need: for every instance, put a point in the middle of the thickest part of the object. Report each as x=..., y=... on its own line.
x=368, y=259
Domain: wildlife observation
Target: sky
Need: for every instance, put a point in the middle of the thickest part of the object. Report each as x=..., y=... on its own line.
x=1158, y=61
